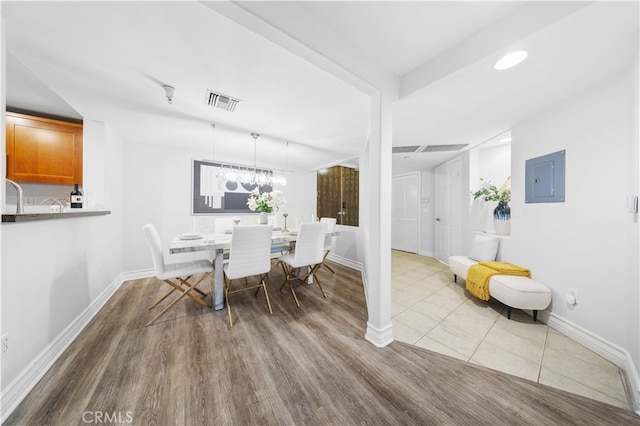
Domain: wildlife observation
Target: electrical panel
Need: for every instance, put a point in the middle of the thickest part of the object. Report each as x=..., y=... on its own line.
x=545, y=179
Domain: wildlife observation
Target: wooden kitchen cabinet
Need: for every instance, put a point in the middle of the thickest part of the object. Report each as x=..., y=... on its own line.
x=43, y=150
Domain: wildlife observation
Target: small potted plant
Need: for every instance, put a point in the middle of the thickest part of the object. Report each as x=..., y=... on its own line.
x=265, y=203
x=502, y=213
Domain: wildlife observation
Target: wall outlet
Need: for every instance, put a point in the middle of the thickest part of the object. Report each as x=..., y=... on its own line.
x=28, y=201
x=4, y=343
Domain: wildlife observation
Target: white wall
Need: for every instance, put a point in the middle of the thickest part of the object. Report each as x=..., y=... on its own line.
x=52, y=270
x=158, y=191
x=348, y=248
x=635, y=183
x=493, y=165
x=589, y=242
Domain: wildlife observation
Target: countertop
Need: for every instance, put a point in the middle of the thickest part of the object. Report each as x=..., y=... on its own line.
x=30, y=217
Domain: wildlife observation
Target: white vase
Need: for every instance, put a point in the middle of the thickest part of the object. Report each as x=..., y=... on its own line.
x=503, y=227
x=502, y=219
x=264, y=218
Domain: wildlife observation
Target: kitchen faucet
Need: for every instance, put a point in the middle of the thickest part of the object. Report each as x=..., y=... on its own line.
x=54, y=201
x=19, y=205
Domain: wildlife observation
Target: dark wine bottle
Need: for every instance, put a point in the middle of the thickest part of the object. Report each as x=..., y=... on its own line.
x=76, y=197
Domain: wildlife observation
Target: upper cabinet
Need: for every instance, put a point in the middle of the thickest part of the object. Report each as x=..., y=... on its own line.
x=43, y=150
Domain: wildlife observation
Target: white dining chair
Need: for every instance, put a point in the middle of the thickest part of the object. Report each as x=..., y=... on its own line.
x=249, y=255
x=171, y=272
x=329, y=241
x=307, y=254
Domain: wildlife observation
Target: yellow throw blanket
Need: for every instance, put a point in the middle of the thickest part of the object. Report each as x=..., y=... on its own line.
x=479, y=275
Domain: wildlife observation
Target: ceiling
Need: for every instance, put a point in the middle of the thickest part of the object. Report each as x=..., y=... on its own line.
x=107, y=61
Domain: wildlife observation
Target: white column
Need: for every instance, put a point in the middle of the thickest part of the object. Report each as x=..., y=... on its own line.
x=378, y=223
x=636, y=189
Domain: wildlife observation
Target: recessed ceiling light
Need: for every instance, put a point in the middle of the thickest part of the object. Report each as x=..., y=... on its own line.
x=505, y=140
x=511, y=60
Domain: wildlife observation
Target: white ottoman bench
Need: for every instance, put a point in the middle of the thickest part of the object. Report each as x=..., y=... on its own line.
x=520, y=293
x=459, y=265
x=513, y=291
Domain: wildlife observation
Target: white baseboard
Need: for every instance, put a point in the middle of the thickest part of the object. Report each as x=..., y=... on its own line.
x=349, y=263
x=379, y=337
x=427, y=253
x=613, y=353
x=136, y=275
x=18, y=389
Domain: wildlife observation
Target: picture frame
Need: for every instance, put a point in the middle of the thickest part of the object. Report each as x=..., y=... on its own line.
x=212, y=195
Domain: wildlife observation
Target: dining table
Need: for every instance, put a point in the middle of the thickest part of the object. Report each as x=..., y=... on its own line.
x=219, y=244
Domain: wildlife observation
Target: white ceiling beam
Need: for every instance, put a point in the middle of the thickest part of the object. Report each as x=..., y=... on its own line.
x=305, y=36
x=494, y=39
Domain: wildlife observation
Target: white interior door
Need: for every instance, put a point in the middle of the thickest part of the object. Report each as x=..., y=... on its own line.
x=448, y=215
x=405, y=213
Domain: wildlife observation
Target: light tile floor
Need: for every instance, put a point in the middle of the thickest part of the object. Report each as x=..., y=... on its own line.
x=431, y=311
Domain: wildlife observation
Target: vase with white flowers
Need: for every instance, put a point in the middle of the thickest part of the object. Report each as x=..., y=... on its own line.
x=502, y=213
x=265, y=203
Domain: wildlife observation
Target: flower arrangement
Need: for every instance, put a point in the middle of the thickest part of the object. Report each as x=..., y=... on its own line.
x=266, y=202
x=489, y=192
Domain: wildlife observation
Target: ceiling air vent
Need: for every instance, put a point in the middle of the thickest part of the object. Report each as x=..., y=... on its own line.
x=440, y=148
x=218, y=100
x=403, y=149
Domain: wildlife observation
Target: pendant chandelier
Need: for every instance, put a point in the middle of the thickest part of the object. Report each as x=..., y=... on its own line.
x=250, y=176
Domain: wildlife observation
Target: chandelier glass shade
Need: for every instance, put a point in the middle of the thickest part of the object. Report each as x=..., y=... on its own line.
x=250, y=176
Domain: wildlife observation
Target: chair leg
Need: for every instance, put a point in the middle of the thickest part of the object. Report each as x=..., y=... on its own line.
x=184, y=293
x=312, y=273
x=192, y=287
x=227, y=291
x=294, y=294
x=200, y=292
x=227, y=283
x=263, y=286
x=287, y=275
x=197, y=290
x=329, y=267
x=181, y=289
x=266, y=293
x=326, y=253
x=288, y=278
x=162, y=298
x=315, y=278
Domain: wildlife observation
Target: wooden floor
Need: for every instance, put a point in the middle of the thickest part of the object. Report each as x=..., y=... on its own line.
x=298, y=366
